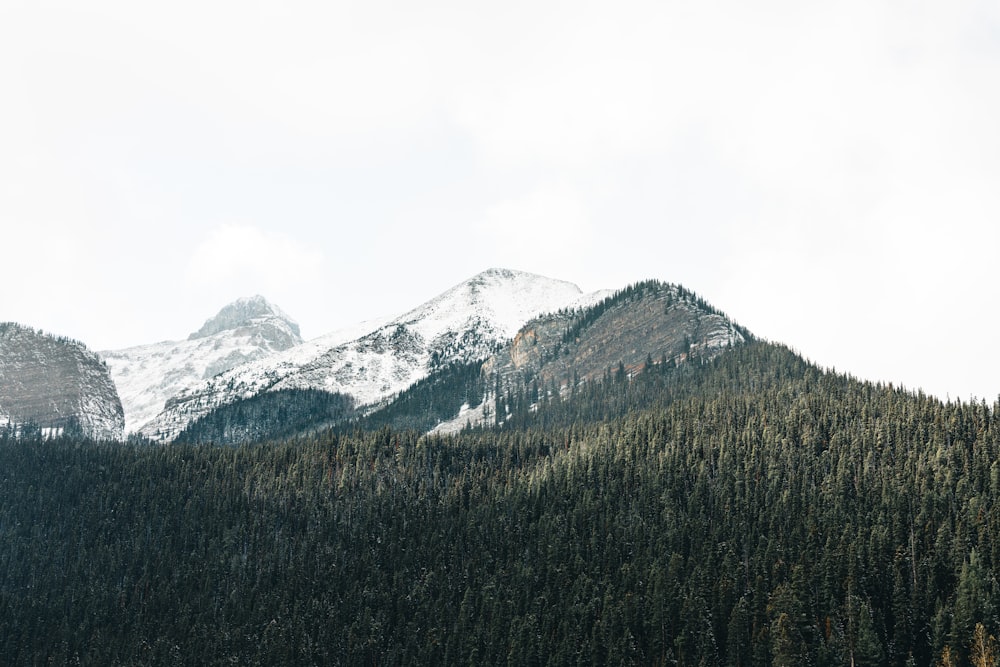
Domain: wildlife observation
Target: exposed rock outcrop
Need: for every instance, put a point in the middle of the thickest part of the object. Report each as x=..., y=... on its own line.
x=56, y=385
x=651, y=321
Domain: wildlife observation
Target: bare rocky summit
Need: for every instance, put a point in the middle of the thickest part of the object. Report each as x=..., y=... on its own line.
x=257, y=316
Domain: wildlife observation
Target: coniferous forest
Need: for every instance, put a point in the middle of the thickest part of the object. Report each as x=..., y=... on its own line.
x=748, y=510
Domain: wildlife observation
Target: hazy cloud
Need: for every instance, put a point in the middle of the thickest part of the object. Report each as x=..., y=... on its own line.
x=247, y=258
x=549, y=229
x=826, y=172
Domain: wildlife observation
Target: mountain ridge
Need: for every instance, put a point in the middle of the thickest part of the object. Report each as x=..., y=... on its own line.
x=666, y=321
x=552, y=357
x=466, y=322
x=524, y=327
x=650, y=323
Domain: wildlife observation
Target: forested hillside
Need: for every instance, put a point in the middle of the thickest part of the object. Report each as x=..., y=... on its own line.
x=290, y=412
x=268, y=416
x=429, y=401
x=758, y=512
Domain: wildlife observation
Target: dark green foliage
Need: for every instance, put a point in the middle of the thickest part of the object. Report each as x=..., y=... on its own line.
x=659, y=384
x=269, y=416
x=286, y=413
x=430, y=401
x=760, y=512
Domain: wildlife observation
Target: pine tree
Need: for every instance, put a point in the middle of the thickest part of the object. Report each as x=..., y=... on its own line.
x=983, y=649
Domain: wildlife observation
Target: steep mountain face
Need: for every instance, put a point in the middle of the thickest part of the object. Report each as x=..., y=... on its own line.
x=650, y=321
x=147, y=376
x=468, y=322
x=56, y=384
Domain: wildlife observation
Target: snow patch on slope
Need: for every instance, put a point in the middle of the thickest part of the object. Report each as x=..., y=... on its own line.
x=467, y=417
x=590, y=299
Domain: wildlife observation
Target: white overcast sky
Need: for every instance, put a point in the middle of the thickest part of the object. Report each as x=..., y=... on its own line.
x=828, y=173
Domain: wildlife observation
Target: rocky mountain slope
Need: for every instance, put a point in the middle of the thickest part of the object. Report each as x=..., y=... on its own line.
x=558, y=356
x=647, y=323
x=469, y=321
x=147, y=376
x=55, y=384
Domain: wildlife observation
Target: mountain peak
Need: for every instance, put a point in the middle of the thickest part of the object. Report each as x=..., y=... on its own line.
x=500, y=274
x=244, y=312
x=505, y=298
x=246, y=330
x=467, y=322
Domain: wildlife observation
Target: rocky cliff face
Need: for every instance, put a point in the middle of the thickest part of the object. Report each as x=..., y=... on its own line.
x=647, y=323
x=253, y=316
x=147, y=376
x=56, y=384
x=650, y=321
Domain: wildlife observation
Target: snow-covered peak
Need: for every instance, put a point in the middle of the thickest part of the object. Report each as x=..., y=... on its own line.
x=503, y=297
x=147, y=376
x=245, y=312
x=465, y=323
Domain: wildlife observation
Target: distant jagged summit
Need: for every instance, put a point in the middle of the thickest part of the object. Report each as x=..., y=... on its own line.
x=247, y=312
x=246, y=330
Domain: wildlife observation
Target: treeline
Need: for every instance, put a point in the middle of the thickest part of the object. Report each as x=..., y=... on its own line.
x=761, y=512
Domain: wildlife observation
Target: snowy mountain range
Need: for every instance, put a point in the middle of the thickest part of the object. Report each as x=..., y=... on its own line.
x=523, y=327
x=246, y=350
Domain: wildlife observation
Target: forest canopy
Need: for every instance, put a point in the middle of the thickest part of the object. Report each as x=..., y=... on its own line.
x=749, y=510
